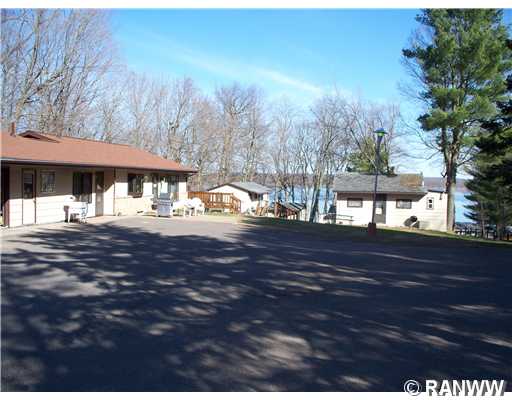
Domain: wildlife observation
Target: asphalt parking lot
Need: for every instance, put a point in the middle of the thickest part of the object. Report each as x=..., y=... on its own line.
x=147, y=304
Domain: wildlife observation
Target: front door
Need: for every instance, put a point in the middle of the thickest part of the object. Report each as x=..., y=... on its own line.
x=380, y=209
x=29, y=198
x=99, y=179
x=5, y=195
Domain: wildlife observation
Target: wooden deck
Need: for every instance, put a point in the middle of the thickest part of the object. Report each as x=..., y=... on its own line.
x=218, y=201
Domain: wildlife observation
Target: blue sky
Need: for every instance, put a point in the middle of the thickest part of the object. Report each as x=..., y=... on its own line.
x=294, y=53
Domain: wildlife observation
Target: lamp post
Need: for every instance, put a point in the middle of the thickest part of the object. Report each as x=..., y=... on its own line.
x=372, y=226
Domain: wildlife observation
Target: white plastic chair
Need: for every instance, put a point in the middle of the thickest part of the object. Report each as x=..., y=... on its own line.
x=182, y=205
x=197, y=205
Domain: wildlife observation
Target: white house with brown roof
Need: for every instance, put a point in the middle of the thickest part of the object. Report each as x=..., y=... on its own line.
x=40, y=173
x=251, y=194
x=402, y=200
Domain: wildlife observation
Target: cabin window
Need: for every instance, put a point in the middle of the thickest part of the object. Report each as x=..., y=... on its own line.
x=404, y=204
x=354, y=203
x=47, y=181
x=135, y=184
x=430, y=203
x=82, y=186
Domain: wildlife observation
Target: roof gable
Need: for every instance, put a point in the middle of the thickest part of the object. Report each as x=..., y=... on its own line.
x=37, y=136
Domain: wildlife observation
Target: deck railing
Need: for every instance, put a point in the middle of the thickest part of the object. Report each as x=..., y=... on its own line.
x=218, y=201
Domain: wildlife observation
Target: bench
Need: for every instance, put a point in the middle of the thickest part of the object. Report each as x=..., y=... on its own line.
x=334, y=218
x=344, y=218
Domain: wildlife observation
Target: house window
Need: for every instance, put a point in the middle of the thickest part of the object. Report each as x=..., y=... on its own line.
x=47, y=181
x=82, y=186
x=135, y=184
x=164, y=184
x=173, y=182
x=404, y=203
x=354, y=203
x=154, y=182
x=430, y=203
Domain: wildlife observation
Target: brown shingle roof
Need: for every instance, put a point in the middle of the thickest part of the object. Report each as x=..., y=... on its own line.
x=35, y=147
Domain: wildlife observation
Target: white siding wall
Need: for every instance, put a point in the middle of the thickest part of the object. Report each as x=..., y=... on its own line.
x=434, y=219
x=108, y=194
x=245, y=200
x=182, y=188
x=361, y=215
x=50, y=206
x=121, y=182
x=15, y=199
x=126, y=204
x=429, y=219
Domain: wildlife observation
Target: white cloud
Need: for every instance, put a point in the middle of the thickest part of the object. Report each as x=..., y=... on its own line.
x=286, y=80
x=274, y=79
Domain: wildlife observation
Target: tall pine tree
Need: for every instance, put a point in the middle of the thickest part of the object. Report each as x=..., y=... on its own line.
x=491, y=183
x=491, y=199
x=460, y=63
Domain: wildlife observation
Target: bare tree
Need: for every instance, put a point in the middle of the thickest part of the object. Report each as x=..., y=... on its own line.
x=141, y=104
x=108, y=119
x=233, y=102
x=176, y=104
x=283, y=150
x=52, y=64
x=253, y=137
x=304, y=159
x=204, y=141
x=328, y=121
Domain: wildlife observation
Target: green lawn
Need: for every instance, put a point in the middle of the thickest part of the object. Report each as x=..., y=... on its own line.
x=384, y=235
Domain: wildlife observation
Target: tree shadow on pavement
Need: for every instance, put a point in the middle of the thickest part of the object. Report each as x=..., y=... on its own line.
x=129, y=308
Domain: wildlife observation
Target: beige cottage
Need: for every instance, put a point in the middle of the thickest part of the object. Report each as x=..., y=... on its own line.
x=42, y=172
x=402, y=200
x=251, y=194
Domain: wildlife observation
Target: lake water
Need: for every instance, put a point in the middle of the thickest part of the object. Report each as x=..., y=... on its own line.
x=460, y=202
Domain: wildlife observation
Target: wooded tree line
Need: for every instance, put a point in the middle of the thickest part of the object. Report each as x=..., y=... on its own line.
x=61, y=74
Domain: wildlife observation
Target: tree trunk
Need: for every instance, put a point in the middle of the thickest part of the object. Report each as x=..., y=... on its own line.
x=450, y=189
x=314, y=203
x=327, y=194
x=501, y=220
x=482, y=219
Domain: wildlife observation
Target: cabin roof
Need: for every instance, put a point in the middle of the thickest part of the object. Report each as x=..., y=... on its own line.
x=250, y=187
x=352, y=182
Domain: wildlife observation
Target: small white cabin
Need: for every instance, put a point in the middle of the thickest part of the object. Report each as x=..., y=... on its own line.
x=402, y=200
x=251, y=194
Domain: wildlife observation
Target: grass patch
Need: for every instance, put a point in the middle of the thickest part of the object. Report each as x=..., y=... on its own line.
x=404, y=236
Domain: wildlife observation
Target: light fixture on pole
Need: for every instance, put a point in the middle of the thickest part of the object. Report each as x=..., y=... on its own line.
x=372, y=226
